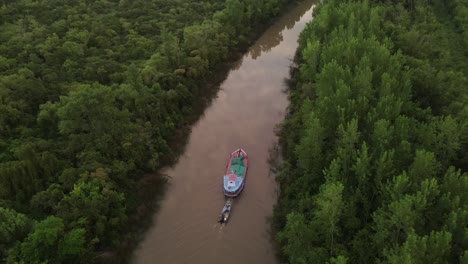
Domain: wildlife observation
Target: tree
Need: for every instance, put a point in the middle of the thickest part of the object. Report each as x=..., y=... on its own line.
x=46, y=202
x=232, y=17
x=329, y=206
x=309, y=151
x=14, y=227
x=404, y=212
x=347, y=141
x=297, y=238
x=339, y=260
x=452, y=210
x=383, y=83
x=433, y=248
x=93, y=94
x=424, y=166
x=95, y=206
x=50, y=242
x=364, y=186
x=98, y=131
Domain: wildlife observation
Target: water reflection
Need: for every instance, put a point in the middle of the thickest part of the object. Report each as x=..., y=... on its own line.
x=269, y=41
x=248, y=105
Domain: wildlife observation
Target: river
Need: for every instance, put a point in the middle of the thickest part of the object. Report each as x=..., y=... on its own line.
x=248, y=105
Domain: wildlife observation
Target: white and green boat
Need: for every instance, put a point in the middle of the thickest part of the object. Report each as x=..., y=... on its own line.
x=236, y=172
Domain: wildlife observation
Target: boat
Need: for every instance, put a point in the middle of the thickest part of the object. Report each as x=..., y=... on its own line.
x=224, y=216
x=235, y=174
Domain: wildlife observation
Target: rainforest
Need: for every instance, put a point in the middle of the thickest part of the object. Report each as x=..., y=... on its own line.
x=375, y=142
x=93, y=95
x=110, y=107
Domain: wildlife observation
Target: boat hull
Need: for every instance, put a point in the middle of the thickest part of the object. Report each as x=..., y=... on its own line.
x=234, y=194
x=224, y=216
x=236, y=173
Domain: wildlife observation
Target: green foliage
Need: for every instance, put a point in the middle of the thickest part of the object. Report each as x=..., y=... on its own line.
x=296, y=237
x=92, y=93
x=428, y=249
x=50, y=242
x=13, y=227
x=310, y=147
x=95, y=206
x=302, y=237
x=328, y=210
x=46, y=202
x=376, y=139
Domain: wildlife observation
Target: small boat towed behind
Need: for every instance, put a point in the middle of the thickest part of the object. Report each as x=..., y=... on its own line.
x=224, y=216
x=235, y=174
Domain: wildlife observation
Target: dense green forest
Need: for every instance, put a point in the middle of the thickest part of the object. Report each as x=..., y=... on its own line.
x=377, y=136
x=92, y=93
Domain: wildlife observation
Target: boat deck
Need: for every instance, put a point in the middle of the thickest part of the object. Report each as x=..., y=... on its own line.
x=237, y=167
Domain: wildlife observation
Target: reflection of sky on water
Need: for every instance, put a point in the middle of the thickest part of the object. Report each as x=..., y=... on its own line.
x=248, y=105
x=269, y=41
x=250, y=90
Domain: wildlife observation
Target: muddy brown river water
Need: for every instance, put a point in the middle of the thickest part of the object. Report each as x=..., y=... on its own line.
x=250, y=102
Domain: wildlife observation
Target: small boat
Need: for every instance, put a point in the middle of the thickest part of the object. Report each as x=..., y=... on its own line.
x=224, y=216
x=236, y=172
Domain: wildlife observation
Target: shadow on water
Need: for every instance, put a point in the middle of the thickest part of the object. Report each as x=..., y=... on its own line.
x=152, y=188
x=209, y=88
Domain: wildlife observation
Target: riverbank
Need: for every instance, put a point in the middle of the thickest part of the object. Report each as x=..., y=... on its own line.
x=375, y=138
x=173, y=240
x=150, y=199
x=102, y=95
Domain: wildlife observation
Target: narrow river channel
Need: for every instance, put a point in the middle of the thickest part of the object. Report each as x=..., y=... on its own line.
x=250, y=102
